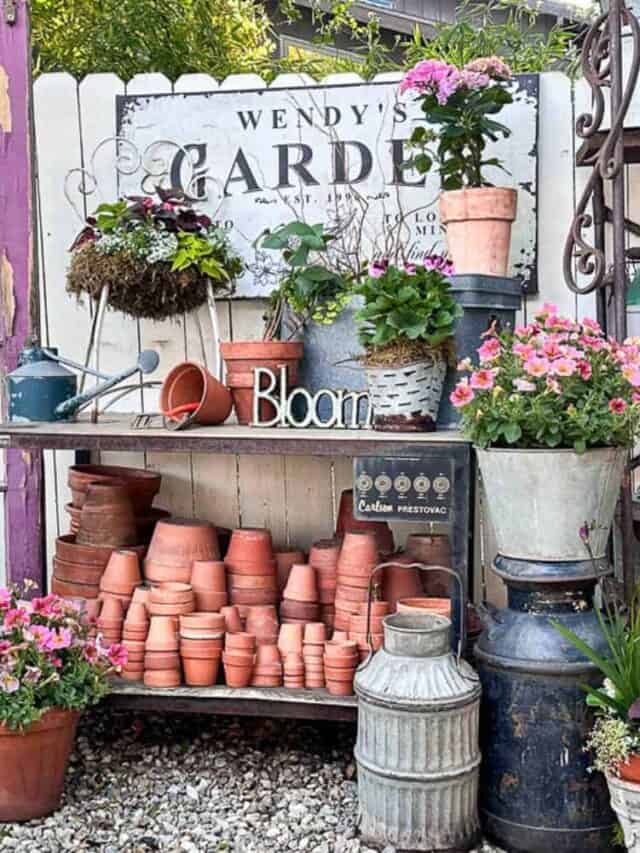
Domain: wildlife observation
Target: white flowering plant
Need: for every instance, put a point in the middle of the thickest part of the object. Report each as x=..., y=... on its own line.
x=50, y=657
x=155, y=255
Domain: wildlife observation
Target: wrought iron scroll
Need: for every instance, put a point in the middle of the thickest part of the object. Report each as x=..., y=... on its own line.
x=602, y=69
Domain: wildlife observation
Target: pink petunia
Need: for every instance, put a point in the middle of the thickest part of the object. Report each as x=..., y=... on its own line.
x=592, y=325
x=8, y=683
x=60, y=639
x=584, y=369
x=147, y=203
x=563, y=367
x=462, y=394
x=5, y=645
x=410, y=269
x=41, y=635
x=591, y=342
x=553, y=385
x=17, y=617
x=118, y=654
x=635, y=396
x=378, y=268
x=537, y=366
x=551, y=349
x=525, y=351
x=482, y=379
x=549, y=308
x=617, y=405
x=524, y=385
x=438, y=263
x=49, y=605
x=490, y=350
x=632, y=375
x=5, y=598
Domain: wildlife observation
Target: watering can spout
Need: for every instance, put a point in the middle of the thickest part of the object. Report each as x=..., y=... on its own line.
x=147, y=362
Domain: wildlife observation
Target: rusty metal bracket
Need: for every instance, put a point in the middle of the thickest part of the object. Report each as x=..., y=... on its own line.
x=10, y=12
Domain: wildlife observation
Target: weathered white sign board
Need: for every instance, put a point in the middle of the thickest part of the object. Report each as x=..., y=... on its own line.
x=257, y=159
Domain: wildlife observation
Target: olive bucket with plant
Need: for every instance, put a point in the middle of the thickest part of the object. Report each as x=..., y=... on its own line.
x=406, y=326
x=460, y=106
x=157, y=257
x=52, y=667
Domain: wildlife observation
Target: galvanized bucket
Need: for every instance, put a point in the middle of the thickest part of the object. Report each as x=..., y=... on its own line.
x=540, y=500
x=407, y=397
x=417, y=746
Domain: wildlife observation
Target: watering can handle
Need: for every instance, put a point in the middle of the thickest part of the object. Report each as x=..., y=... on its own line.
x=423, y=568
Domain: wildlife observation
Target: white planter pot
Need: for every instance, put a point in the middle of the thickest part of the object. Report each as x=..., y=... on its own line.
x=538, y=500
x=625, y=801
x=408, y=397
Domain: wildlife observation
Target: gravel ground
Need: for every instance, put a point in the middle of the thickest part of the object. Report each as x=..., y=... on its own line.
x=186, y=784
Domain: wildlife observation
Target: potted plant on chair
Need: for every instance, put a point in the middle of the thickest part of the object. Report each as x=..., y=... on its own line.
x=459, y=105
x=406, y=326
x=51, y=669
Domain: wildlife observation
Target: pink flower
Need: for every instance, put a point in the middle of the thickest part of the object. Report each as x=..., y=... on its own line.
x=592, y=325
x=432, y=77
x=524, y=385
x=591, y=342
x=553, y=385
x=523, y=331
x=525, y=351
x=464, y=366
x=461, y=394
x=378, y=268
x=551, y=349
x=490, y=350
x=554, y=321
x=90, y=651
x=47, y=606
x=482, y=379
x=5, y=598
x=617, y=405
x=491, y=65
x=42, y=635
x=147, y=203
x=438, y=263
x=32, y=674
x=563, y=367
x=635, y=396
x=584, y=368
x=167, y=205
x=16, y=618
x=632, y=375
x=410, y=269
x=547, y=309
x=60, y=639
x=537, y=366
x=8, y=683
x=474, y=79
x=5, y=645
x=117, y=654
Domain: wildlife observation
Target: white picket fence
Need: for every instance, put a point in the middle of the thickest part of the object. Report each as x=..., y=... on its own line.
x=295, y=498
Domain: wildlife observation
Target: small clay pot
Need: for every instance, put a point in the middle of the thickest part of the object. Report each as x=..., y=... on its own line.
x=262, y=622
x=339, y=688
x=172, y=609
x=358, y=625
x=171, y=593
x=122, y=573
x=306, y=611
x=178, y=542
x=201, y=649
x=134, y=645
x=257, y=582
x=254, y=568
x=268, y=655
x=400, y=582
x=76, y=572
x=290, y=639
x=163, y=634
x=240, y=640
x=85, y=555
x=432, y=551
x=189, y=382
x=142, y=595
x=266, y=680
x=65, y=589
x=250, y=544
x=438, y=606
x=354, y=594
x=209, y=621
x=162, y=678
x=251, y=597
x=353, y=586
x=339, y=637
x=200, y=672
x=142, y=485
x=237, y=676
x=202, y=634
x=340, y=647
x=162, y=660
x=378, y=609
x=210, y=602
x=284, y=561
x=111, y=610
x=301, y=585
x=137, y=615
x=346, y=521
x=312, y=653
x=135, y=636
x=232, y=621
x=315, y=632
x=132, y=674
x=209, y=576
x=157, y=573
x=107, y=518
x=324, y=554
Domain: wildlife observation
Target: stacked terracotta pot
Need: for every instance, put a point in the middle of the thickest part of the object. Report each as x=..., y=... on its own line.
x=201, y=642
x=121, y=576
x=251, y=568
x=262, y=622
x=324, y=559
x=300, y=596
x=432, y=551
x=239, y=658
x=290, y=640
x=134, y=636
x=340, y=663
x=110, y=621
x=175, y=545
x=358, y=557
x=315, y=636
x=284, y=561
x=161, y=660
x=358, y=627
x=347, y=522
x=267, y=671
x=77, y=569
x=401, y=582
x=232, y=620
x=294, y=671
x=171, y=599
x=209, y=584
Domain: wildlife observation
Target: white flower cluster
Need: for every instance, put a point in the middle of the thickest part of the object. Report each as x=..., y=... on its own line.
x=162, y=246
x=109, y=244
x=143, y=243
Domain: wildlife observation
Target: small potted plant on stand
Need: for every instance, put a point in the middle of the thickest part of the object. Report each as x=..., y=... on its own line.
x=50, y=671
x=406, y=325
x=460, y=104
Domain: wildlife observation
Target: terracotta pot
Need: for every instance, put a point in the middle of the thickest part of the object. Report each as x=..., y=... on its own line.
x=125, y=600
x=111, y=610
x=326, y=596
x=176, y=543
x=208, y=621
x=135, y=636
x=284, y=561
x=293, y=664
x=68, y=550
x=250, y=545
x=132, y=674
x=199, y=672
x=162, y=678
x=209, y=576
x=266, y=680
x=171, y=593
x=244, y=568
x=290, y=639
x=107, y=518
x=142, y=595
x=359, y=549
x=478, y=222
x=232, y=621
x=142, y=485
x=122, y=572
x=137, y=616
x=378, y=609
x=301, y=585
x=439, y=606
x=174, y=610
x=358, y=625
x=162, y=660
x=210, y=601
x=241, y=357
x=308, y=612
x=134, y=646
x=268, y=655
x=33, y=765
x=163, y=634
x=262, y=622
x=189, y=382
x=158, y=573
x=241, y=385
x=315, y=632
x=77, y=573
x=324, y=554
x=351, y=596
x=399, y=582
x=237, y=676
x=347, y=521
x=240, y=640
x=629, y=770
x=253, y=596
x=242, y=582
x=238, y=657
x=339, y=647
x=201, y=649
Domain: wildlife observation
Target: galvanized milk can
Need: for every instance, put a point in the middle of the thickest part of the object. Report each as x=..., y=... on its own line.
x=417, y=748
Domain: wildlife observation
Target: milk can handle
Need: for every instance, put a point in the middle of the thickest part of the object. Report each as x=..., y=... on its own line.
x=462, y=638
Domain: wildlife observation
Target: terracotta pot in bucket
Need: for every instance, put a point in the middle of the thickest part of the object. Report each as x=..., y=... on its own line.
x=439, y=606
x=478, y=225
x=33, y=765
x=188, y=383
x=142, y=485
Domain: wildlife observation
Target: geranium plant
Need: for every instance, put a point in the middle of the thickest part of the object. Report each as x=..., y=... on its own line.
x=407, y=309
x=155, y=256
x=458, y=105
x=48, y=659
x=551, y=383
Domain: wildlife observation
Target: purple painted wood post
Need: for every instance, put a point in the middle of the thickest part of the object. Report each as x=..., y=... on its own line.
x=24, y=553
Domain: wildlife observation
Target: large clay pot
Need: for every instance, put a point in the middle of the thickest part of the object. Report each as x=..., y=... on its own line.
x=284, y=561
x=478, y=225
x=302, y=584
x=191, y=383
x=122, y=573
x=241, y=357
x=33, y=765
x=142, y=485
x=175, y=544
x=107, y=518
x=208, y=576
x=400, y=582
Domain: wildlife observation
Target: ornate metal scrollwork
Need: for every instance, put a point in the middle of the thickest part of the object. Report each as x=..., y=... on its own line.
x=600, y=53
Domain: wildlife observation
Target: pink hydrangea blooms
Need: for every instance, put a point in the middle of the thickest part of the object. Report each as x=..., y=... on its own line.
x=439, y=78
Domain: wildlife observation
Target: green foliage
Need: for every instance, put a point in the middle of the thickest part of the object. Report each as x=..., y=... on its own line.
x=401, y=305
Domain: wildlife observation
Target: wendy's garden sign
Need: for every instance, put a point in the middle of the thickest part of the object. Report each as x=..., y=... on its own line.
x=255, y=159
